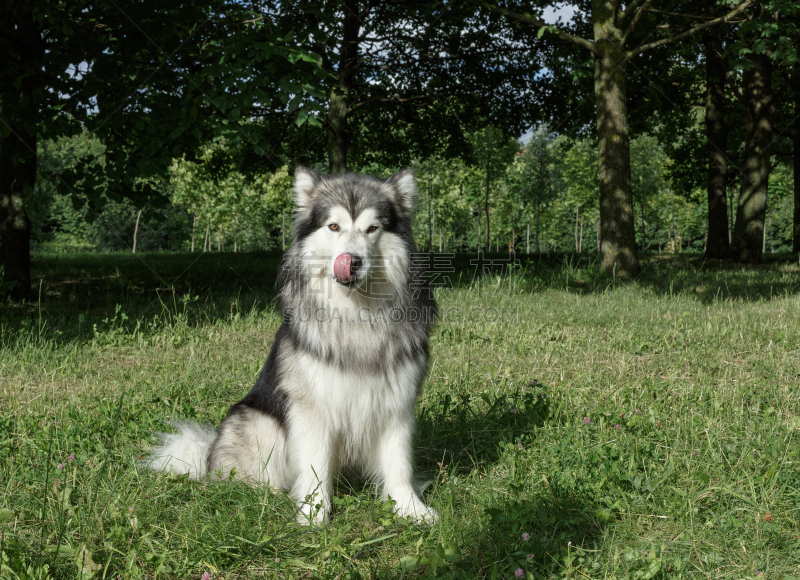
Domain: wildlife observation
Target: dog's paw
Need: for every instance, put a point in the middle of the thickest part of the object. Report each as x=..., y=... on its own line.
x=310, y=515
x=419, y=513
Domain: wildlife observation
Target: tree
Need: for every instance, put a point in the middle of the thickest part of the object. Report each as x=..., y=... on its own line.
x=21, y=79
x=221, y=197
x=442, y=208
x=153, y=80
x=613, y=27
x=492, y=151
x=796, y=166
x=748, y=232
x=536, y=168
x=648, y=162
x=278, y=197
x=716, y=127
x=766, y=41
x=408, y=79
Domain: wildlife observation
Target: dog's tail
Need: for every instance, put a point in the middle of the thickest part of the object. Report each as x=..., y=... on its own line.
x=185, y=452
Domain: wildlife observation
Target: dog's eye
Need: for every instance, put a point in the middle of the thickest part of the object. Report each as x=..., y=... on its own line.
x=333, y=227
x=371, y=229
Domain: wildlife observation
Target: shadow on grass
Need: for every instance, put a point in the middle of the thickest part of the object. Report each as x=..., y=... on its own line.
x=75, y=292
x=458, y=435
x=713, y=280
x=541, y=527
x=668, y=275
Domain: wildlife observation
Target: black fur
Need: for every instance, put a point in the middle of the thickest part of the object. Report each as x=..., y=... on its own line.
x=266, y=396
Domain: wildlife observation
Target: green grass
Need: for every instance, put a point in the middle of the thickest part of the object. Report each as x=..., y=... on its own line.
x=644, y=429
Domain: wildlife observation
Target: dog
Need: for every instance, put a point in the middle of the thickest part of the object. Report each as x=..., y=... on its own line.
x=339, y=387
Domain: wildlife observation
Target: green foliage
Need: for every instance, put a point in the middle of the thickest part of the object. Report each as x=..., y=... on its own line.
x=780, y=210
x=443, y=209
x=550, y=182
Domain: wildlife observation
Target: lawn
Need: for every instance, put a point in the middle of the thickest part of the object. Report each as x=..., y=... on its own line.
x=571, y=426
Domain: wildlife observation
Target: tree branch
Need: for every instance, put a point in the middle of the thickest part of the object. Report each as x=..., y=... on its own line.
x=629, y=9
x=635, y=20
x=525, y=19
x=693, y=16
x=721, y=20
x=399, y=99
x=617, y=14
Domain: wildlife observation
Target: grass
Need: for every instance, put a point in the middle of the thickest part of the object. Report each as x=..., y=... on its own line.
x=644, y=429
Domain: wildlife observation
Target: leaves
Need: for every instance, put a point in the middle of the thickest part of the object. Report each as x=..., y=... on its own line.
x=431, y=559
x=87, y=567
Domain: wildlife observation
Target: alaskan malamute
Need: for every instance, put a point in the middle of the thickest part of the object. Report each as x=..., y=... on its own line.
x=339, y=387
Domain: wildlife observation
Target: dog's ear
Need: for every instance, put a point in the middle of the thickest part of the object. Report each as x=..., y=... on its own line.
x=305, y=181
x=404, y=187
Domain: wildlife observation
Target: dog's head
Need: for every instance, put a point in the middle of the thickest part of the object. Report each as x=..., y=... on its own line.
x=355, y=228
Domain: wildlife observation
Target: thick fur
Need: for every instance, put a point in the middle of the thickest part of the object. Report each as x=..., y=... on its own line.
x=340, y=384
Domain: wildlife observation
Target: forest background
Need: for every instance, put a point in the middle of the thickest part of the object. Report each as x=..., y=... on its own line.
x=152, y=128
x=544, y=198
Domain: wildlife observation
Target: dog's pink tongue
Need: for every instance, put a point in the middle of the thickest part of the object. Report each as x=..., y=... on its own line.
x=341, y=267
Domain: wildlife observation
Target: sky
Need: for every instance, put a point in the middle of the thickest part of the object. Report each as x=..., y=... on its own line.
x=551, y=16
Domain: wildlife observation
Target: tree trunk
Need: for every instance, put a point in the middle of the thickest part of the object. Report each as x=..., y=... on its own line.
x=538, y=210
x=339, y=95
x=718, y=243
x=194, y=227
x=20, y=110
x=577, y=216
x=674, y=229
x=337, y=132
x=136, y=230
x=283, y=230
x=618, y=249
x=580, y=238
x=430, y=220
x=748, y=231
x=206, y=241
x=479, y=231
x=17, y=179
x=644, y=226
x=219, y=239
x=433, y=227
x=796, y=161
x=486, y=202
x=597, y=234
x=235, y=234
x=730, y=222
x=528, y=239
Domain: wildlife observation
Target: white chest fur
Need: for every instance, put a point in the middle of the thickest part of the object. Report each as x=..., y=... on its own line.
x=349, y=409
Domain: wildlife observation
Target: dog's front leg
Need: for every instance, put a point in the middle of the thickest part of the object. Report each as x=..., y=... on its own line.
x=310, y=452
x=397, y=473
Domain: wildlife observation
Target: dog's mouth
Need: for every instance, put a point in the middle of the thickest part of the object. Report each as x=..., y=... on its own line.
x=347, y=270
x=348, y=285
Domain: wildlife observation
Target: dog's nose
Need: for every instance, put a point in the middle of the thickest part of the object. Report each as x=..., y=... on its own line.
x=355, y=264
